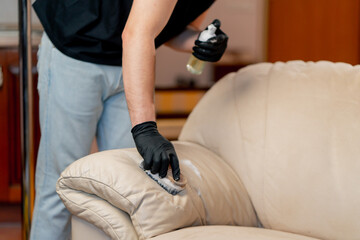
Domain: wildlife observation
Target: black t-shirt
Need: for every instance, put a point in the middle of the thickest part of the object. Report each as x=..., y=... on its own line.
x=90, y=30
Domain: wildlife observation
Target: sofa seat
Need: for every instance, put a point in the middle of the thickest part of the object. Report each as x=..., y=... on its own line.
x=86, y=230
x=229, y=233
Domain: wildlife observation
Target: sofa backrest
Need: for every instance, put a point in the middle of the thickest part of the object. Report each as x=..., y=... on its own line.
x=292, y=133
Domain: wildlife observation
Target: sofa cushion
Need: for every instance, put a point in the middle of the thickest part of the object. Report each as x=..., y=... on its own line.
x=229, y=233
x=292, y=133
x=213, y=194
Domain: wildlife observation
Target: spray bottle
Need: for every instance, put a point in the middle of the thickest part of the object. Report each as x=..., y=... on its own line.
x=195, y=65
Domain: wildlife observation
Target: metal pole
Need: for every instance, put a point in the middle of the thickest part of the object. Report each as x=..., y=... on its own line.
x=26, y=106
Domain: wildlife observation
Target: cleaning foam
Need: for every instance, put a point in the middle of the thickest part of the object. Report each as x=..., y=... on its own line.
x=168, y=183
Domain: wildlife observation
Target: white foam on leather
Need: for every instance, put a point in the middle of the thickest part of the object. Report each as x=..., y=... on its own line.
x=115, y=176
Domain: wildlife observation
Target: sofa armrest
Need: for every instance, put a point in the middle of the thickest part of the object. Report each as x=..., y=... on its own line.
x=213, y=194
x=111, y=220
x=83, y=230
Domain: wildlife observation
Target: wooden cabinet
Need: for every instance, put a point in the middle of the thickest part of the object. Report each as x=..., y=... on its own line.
x=313, y=30
x=10, y=151
x=173, y=106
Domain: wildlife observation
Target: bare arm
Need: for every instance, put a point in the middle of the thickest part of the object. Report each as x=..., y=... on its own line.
x=146, y=20
x=185, y=41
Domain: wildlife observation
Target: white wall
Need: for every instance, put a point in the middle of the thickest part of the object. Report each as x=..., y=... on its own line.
x=9, y=12
x=244, y=21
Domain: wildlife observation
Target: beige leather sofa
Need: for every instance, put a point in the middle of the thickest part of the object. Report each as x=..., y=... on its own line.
x=270, y=152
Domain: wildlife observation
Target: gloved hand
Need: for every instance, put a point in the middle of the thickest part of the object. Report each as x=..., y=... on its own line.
x=156, y=150
x=213, y=49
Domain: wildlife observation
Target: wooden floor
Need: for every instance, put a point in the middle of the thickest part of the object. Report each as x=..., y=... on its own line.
x=10, y=221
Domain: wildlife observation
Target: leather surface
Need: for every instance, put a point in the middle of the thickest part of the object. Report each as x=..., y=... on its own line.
x=114, y=222
x=285, y=134
x=81, y=230
x=229, y=233
x=291, y=131
x=213, y=194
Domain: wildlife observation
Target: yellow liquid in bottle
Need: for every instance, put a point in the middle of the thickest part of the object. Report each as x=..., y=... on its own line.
x=195, y=66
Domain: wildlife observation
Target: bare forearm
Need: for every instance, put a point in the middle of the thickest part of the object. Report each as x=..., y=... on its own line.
x=185, y=41
x=146, y=20
x=138, y=74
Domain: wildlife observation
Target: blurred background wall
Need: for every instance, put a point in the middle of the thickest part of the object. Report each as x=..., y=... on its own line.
x=9, y=13
x=313, y=30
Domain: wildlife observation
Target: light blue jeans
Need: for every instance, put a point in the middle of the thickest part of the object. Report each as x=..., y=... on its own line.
x=78, y=101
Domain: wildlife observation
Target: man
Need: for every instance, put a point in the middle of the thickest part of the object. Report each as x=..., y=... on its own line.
x=93, y=53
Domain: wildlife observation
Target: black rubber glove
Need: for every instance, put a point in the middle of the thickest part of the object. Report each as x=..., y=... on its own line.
x=213, y=49
x=156, y=150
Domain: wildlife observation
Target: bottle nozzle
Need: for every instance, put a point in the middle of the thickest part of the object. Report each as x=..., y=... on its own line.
x=208, y=33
